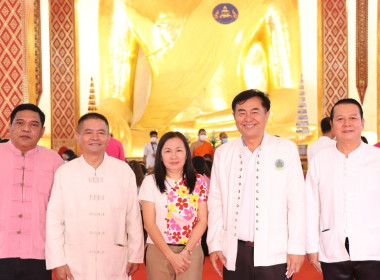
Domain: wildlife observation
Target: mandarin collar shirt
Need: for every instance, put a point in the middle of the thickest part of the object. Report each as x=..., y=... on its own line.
x=26, y=182
x=343, y=195
x=93, y=220
x=279, y=199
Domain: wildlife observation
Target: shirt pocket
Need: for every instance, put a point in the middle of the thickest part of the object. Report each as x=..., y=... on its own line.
x=327, y=242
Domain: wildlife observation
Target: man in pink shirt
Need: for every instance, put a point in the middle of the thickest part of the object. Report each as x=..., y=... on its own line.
x=115, y=148
x=26, y=172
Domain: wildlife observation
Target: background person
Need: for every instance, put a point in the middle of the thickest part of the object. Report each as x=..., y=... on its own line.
x=326, y=140
x=223, y=137
x=115, y=148
x=68, y=155
x=201, y=147
x=175, y=212
x=150, y=150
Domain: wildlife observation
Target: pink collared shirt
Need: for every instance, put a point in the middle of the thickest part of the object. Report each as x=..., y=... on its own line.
x=26, y=181
x=115, y=149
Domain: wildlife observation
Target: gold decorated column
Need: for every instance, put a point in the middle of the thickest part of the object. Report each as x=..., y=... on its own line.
x=333, y=64
x=361, y=47
x=64, y=80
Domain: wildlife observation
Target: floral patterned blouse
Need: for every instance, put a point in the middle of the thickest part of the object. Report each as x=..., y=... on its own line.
x=183, y=208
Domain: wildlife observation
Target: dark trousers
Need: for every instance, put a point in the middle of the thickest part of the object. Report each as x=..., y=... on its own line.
x=350, y=270
x=245, y=269
x=25, y=269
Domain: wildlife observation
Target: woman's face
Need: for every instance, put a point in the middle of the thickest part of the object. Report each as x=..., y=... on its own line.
x=174, y=156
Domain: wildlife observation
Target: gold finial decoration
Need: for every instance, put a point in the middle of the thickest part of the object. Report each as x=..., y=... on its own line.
x=92, y=97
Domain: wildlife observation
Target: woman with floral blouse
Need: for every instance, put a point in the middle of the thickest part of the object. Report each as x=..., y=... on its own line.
x=174, y=203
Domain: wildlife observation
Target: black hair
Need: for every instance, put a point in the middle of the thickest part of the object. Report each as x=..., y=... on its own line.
x=207, y=157
x=30, y=107
x=347, y=101
x=139, y=173
x=201, y=130
x=364, y=139
x=208, y=168
x=325, y=125
x=199, y=164
x=247, y=94
x=89, y=116
x=188, y=174
x=71, y=154
x=153, y=133
x=220, y=134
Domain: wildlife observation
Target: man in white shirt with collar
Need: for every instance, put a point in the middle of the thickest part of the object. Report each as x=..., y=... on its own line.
x=93, y=221
x=150, y=152
x=343, y=195
x=325, y=140
x=257, y=199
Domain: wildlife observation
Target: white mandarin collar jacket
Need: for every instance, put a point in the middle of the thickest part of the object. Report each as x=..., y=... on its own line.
x=325, y=204
x=279, y=201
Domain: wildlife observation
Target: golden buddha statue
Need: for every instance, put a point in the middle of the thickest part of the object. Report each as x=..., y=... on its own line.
x=171, y=65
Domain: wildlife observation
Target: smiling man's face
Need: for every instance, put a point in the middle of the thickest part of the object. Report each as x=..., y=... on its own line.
x=93, y=137
x=251, y=118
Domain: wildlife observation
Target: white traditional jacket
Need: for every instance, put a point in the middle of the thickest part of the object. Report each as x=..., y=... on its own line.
x=325, y=204
x=93, y=220
x=321, y=143
x=279, y=202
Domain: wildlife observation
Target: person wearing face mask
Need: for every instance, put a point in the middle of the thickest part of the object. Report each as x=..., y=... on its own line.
x=201, y=147
x=223, y=138
x=150, y=152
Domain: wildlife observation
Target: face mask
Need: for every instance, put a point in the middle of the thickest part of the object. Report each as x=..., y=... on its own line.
x=224, y=140
x=153, y=139
x=202, y=137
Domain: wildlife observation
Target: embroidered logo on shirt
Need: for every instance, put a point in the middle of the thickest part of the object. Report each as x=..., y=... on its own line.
x=279, y=164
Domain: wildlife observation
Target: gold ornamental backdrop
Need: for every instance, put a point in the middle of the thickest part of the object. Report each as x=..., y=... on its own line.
x=12, y=58
x=361, y=47
x=64, y=103
x=334, y=64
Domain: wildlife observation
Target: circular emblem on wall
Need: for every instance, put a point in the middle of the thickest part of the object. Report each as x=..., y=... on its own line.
x=225, y=13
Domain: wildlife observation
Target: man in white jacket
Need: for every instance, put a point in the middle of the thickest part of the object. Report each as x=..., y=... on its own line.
x=327, y=139
x=257, y=199
x=94, y=228
x=343, y=194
